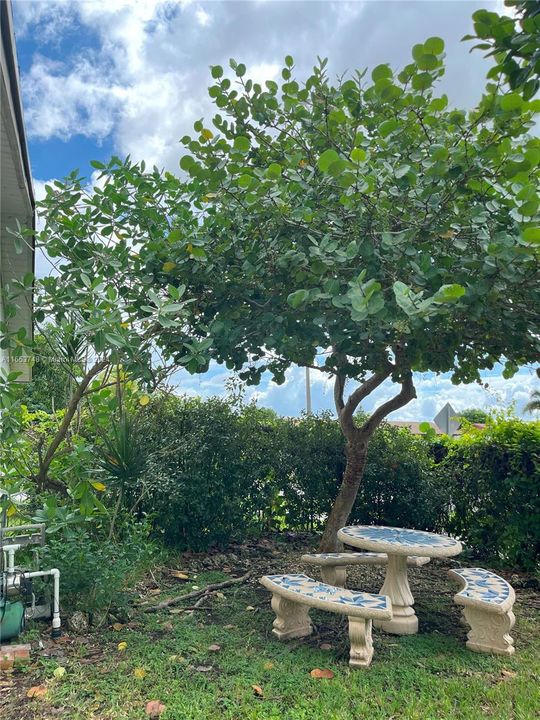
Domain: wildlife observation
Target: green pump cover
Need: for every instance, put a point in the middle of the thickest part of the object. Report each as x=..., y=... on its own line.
x=11, y=619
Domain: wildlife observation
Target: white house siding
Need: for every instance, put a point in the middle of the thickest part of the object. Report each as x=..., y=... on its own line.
x=17, y=202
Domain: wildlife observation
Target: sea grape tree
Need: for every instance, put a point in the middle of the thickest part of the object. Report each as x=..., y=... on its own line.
x=364, y=228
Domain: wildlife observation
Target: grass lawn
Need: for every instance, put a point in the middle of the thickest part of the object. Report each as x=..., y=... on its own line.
x=169, y=657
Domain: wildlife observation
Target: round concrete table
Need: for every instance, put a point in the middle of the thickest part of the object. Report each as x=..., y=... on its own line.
x=399, y=543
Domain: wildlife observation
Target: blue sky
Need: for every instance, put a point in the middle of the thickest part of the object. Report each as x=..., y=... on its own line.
x=130, y=76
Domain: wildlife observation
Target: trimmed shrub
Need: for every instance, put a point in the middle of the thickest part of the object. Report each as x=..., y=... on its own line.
x=400, y=486
x=194, y=483
x=493, y=484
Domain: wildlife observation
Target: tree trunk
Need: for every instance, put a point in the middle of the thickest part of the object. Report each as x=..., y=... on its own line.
x=352, y=477
x=42, y=479
x=357, y=441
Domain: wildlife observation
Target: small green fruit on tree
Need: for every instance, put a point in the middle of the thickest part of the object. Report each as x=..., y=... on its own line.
x=367, y=222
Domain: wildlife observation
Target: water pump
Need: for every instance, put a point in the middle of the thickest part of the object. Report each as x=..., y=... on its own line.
x=17, y=598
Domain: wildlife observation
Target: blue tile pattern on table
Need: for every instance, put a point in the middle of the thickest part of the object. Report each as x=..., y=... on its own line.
x=399, y=536
x=483, y=585
x=304, y=585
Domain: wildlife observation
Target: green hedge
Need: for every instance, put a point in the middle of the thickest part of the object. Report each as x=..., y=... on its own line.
x=493, y=488
x=213, y=473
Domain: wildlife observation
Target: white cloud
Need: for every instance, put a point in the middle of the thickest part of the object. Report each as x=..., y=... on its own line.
x=433, y=392
x=140, y=72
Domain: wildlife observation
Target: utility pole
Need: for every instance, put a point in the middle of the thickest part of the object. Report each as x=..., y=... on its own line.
x=308, y=393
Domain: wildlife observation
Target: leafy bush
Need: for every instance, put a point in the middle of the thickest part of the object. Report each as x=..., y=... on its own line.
x=400, y=486
x=193, y=482
x=212, y=473
x=493, y=482
x=96, y=571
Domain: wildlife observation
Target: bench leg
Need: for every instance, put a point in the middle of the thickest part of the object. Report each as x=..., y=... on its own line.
x=489, y=631
x=292, y=619
x=361, y=642
x=333, y=575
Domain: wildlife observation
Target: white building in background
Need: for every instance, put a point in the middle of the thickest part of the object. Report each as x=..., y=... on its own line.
x=16, y=194
x=446, y=422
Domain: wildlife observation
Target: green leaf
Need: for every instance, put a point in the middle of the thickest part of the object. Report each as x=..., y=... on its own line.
x=242, y=144
x=512, y=101
x=198, y=252
x=245, y=180
x=439, y=104
x=531, y=234
x=358, y=155
x=186, y=162
x=388, y=126
x=175, y=236
x=449, y=293
x=422, y=81
x=326, y=159
x=217, y=71
x=296, y=299
x=274, y=171
x=438, y=152
x=418, y=51
x=289, y=62
x=405, y=297
x=427, y=62
x=434, y=45
x=402, y=171
x=97, y=164
x=380, y=72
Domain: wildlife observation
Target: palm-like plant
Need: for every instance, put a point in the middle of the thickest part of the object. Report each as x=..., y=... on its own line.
x=534, y=403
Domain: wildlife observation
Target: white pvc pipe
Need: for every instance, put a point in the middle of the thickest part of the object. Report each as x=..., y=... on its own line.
x=56, y=595
x=10, y=551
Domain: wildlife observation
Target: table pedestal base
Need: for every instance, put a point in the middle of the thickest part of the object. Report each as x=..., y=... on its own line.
x=396, y=586
x=399, y=625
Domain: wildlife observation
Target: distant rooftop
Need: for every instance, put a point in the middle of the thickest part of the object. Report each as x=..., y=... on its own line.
x=413, y=426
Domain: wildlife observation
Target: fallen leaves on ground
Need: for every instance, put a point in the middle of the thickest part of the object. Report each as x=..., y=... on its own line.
x=204, y=668
x=508, y=674
x=177, y=659
x=325, y=646
x=257, y=689
x=214, y=648
x=154, y=708
x=6, y=664
x=321, y=674
x=178, y=575
x=117, y=626
x=59, y=673
x=122, y=646
x=37, y=691
x=139, y=673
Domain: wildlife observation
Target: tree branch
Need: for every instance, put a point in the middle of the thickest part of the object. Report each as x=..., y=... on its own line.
x=406, y=394
x=355, y=398
x=339, y=387
x=203, y=591
x=45, y=463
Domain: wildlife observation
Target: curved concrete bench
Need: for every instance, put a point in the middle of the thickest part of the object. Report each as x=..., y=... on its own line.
x=334, y=565
x=487, y=601
x=293, y=595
